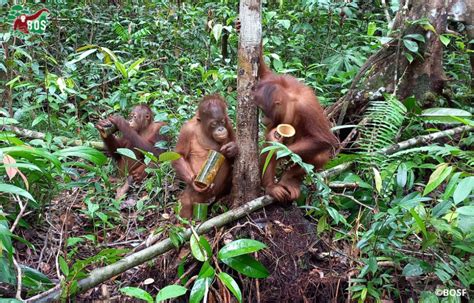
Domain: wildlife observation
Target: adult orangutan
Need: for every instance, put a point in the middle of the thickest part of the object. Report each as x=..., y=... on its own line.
x=209, y=129
x=140, y=132
x=285, y=100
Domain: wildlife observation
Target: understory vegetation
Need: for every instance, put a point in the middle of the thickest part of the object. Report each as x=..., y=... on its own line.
x=397, y=224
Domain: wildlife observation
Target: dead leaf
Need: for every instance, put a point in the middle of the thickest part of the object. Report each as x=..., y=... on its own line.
x=11, y=170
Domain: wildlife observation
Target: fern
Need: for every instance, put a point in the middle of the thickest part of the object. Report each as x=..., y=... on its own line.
x=140, y=34
x=121, y=31
x=384, y=120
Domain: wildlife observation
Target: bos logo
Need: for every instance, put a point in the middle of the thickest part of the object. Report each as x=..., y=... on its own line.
x=28, y=23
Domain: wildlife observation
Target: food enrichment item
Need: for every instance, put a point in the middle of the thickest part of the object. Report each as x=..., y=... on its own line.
x=200, y=211
x=285, y=131
x=209, y=170
x=108, y=129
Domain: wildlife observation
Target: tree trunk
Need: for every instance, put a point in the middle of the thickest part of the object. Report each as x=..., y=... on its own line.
x=390, y=71
x=246, y=178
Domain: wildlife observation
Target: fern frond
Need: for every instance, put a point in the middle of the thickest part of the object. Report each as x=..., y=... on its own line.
x=140, y=34
x=385, y=119
x=121, y=31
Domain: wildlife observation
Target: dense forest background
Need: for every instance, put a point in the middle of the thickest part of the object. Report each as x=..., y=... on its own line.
x=383, y=223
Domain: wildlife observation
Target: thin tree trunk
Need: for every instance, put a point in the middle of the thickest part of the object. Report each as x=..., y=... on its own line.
x=246, y=177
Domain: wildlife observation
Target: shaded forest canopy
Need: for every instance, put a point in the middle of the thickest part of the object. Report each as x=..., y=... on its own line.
x=389, y=219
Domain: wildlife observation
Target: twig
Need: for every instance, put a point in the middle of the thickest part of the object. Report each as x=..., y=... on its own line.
x=20, y=214
x=18, y=280
x=387, y=14
x=425, y=139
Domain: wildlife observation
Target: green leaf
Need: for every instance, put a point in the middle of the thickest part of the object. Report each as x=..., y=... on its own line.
x=378, y=180
x=206, y=271
x=412, y=270
x=402, y=175
x=444, y=114
x=419, y=221
x=63, y=266
x=121, y=68
x=83, y=55
x=170, y=292
x=466, y=210
x=408, y=56
x=417, y=37
x=83, y=152
x=230, y=283
x=248, y=266
x=12, y=189
x=444, y=39
x=201, y=249
x=267, y=160
x=464, y=188
x=137, y=293
x=437, y=177
x=127, y=153
x=428, y=27
x=371, y=29
x=200, y=287
x=285, y=23
x=217, y=31
x=451, y=187
x=168, y=156
x=136, y=65
x=240, y=247
x=411, y=45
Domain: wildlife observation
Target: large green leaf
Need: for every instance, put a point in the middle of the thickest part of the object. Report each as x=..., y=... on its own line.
x=437, y=177
x=200, y=249
x=240, y=247
x=464, y=189
x=168, y=156
x=200, y=287
x=12, y=189
x=170, y=292
x=83, y=152
x=230, y=283
x=411, y=45
x=248, y=266
x=137, y=293
x=127, y=153
x=28, y=151
x=444, y=115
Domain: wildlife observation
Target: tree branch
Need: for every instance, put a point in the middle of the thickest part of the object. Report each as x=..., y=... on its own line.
x=31, y=134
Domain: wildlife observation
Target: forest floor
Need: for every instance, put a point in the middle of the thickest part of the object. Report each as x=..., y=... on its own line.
x=302, y=265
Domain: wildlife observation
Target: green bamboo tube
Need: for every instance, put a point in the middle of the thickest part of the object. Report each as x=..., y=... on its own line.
x=200, y=211
x=209, y=170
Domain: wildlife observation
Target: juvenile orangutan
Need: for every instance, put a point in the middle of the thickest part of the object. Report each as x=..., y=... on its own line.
x=140, y=132
x=209, y=129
